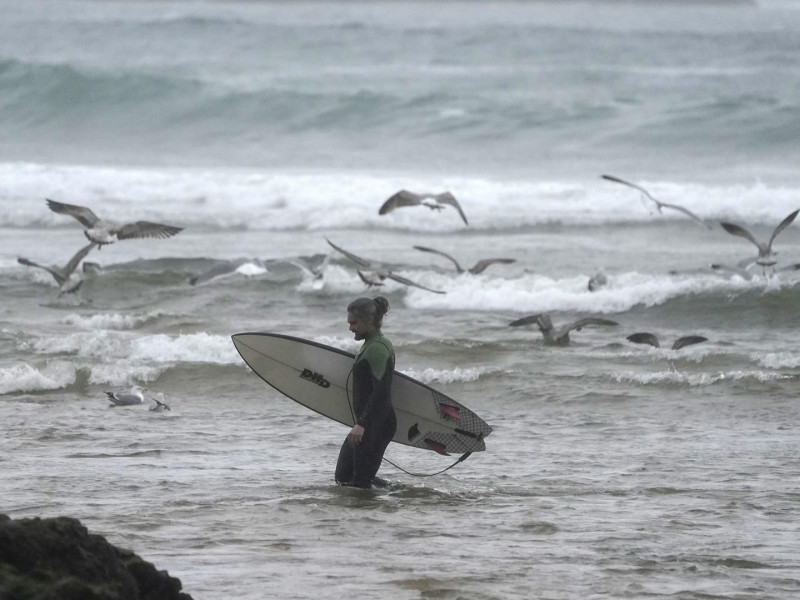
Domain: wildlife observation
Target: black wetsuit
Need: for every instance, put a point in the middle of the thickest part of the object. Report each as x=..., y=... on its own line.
x=372, y=407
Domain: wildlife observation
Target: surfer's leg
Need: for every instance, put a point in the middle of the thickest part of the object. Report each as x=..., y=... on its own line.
x=344, y=466
x=369, y=453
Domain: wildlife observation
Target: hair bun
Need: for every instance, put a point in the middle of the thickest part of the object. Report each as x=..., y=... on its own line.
x=382, y=304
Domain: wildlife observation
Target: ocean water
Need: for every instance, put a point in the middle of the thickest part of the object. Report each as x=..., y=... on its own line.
x=614, y=470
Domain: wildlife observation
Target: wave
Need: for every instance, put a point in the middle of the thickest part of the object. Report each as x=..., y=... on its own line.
x=226, y=199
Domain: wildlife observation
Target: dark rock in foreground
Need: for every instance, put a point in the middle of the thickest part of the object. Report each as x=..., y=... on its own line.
x=58, y=559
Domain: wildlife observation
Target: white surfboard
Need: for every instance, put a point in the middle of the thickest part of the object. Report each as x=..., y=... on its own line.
x=319, y=377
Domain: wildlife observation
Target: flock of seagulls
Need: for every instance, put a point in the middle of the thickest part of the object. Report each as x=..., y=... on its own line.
x=100, y=232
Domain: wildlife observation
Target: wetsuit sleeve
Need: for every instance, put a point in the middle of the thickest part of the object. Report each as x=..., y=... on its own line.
x=378, y=360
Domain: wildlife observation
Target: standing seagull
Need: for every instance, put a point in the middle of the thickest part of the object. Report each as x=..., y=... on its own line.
x=650, y=338
x=63, y=275
x=373, y=268
x=135, y=397
x=659, y=204
x=559, y=337
x=766, y=257
x=406, y=198
x=478, y=267
x=105, y=232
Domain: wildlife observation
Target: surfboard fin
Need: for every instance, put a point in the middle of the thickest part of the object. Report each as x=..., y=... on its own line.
x=437, y=447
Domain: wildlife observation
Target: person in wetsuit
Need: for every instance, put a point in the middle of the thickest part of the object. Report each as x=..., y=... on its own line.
x=375, y=422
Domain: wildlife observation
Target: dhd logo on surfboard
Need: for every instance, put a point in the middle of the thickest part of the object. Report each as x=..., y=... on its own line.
x=315, y=378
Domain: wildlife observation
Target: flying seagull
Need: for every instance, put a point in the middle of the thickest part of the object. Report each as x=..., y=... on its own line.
x=658, y=203
x=371, y=269
x=559, y=337
x=766, y=257
x=63, y=275
x=478, y=267
x=160, y=405
x=432, y=201
x=105, y=232
x=650, y=338
x=134, y=397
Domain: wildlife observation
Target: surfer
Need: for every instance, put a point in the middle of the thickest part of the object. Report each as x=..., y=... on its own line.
x=375, y=422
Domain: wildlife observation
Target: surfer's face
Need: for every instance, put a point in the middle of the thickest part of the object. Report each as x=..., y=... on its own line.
x=359, y=327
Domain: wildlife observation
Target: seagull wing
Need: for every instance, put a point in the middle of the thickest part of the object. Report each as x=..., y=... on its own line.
x=57, y=275
x=222, y=269
x=75, y=260
x=585, y=322
x=398, y=200
x=688, y=341
x=367, y=280
x=644, y=338
x=448, y=198
x=529, y=320
x=406, y=281
x=743, y=273
x=85, y=215
x=481, y=265
x=146, y=229
x=734, y=229
x=361, y=262
x=440, y=253
x=783, y=225
x=629, y=184
x=687, y=212
x=794, y=267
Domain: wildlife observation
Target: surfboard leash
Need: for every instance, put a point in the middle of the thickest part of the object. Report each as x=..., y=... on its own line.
x=460, y=460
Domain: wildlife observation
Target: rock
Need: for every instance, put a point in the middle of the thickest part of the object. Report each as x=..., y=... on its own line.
x=58, y=559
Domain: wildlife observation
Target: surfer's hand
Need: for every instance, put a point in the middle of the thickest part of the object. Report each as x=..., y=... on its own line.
x=356, y=434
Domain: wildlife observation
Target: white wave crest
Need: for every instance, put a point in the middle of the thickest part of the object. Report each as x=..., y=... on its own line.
x=778, y=360
x=693, y=379
x=231, y=198
x=196, y=347
x=430, y=375
x=113, y=321
x=26, y=378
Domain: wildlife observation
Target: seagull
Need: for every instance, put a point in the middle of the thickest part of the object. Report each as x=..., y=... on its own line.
x=249, y=267
x=160, y=405
x=134, y=397
x=559, y=337
x=63, y=275
x=650, y=338
x=312, y=266
x=105, y=232
x=373, y=269
x=766, y=257
x=599, y=280
x=437, y=202
x=659, y=204
x=478, y=267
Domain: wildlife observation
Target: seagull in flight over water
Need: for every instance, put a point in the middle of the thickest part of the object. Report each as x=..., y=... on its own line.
x=650, y=338
x=432, y=201
x=658, y=203
x=559, y=337
x=63, y=275
x=478, y=267
x=766, y=257
x=106, y=232
x=372, y=269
